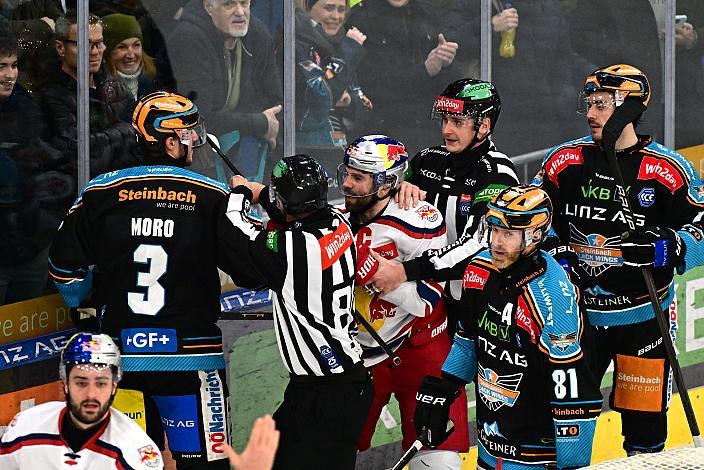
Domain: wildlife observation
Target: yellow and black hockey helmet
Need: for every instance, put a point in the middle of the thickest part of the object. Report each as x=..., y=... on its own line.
x=162, y=114
x=624, y=81
x=522, y=207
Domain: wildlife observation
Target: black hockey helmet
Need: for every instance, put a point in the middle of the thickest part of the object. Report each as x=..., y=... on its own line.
x=298, y=185
x=469, y=97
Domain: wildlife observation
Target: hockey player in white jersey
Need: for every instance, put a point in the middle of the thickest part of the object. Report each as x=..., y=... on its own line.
x=85, y=432
x=411, y=319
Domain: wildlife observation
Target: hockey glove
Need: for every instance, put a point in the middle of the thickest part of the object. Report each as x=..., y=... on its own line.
x=569, y=261
x=652, y=246
x=433, y=401
x=367, y=266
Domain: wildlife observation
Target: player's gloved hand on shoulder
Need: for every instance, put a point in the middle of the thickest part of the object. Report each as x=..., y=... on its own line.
x=433, y=401
x=652, y=246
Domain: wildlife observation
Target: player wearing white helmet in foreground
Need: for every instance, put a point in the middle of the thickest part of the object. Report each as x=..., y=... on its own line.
x=410, y=319
x=85, y=432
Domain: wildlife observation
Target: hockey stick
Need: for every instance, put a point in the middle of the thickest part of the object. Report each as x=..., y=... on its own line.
x=623, y=115
x=418, y=445
x=382, y=344
x=227, y=161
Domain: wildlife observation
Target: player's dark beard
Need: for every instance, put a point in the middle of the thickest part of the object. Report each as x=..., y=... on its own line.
x=76, y=410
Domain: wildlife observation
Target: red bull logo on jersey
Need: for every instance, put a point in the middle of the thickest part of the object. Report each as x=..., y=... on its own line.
x=474, y=277
x=661, y=171
x=214, y=408
x=149, y=456
x=428, y=213
x=561, y=160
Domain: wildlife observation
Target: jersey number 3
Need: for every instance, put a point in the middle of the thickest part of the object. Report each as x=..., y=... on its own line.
x=150, y=304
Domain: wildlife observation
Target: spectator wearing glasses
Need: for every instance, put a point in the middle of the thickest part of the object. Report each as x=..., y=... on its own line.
x=111, y=135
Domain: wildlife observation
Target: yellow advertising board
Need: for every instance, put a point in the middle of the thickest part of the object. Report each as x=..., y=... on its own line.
x=32, y=318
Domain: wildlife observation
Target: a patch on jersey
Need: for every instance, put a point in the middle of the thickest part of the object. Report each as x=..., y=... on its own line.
x=661, y=171
x=474, y=277
x=272, y=241
x=497, y=390
x=372, y=308
x=149, y=456
x=464, y=203
x=334, y=244
x=562, y=341
x=329, y=357
x=646, y=197
x=214, y=407
x=638, y=383
x=149, y=340
x=179, y=418
x=488, y=193
x=428, y=212
x=525, y=320
x=561, y=160
x=387, y=251
x=567, y=430
x=449, y=105
x=596, y=252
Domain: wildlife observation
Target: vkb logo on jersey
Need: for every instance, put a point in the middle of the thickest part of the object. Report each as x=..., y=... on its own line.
x=646, y=197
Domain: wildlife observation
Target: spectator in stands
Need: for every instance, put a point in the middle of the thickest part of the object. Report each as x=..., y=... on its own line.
x=407, y=63
x=224, y=59
x=542, y=65
x=124, y=57
x=328, y=98
x=112, y=140
x=689, y=75
x=27, y=224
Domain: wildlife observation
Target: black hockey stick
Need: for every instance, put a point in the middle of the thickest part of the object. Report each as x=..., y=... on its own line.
x=624, y=114
x=227, y=161
x=382, y=344
x=418, y=445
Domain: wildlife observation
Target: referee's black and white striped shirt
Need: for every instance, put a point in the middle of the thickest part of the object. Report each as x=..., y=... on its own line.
x=309, y=266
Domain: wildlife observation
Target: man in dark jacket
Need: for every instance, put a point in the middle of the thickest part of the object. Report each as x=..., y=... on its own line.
x=112, y=141
x=406, y=65
x=224, y=59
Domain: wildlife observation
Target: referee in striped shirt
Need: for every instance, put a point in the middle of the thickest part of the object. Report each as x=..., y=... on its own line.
x=309, y=264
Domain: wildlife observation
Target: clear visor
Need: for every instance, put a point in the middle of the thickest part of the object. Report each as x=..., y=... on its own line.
x=343, y=174
x=487, y=236
x=194, y=136
x=587, y=100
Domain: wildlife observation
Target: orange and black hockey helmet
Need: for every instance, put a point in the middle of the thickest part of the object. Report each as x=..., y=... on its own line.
x=522, y=207
x=624, y=81
x=162, y=114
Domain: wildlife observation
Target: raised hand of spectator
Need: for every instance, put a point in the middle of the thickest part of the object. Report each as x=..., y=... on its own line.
x=440, y=57
x=272, y=125
x=685, y=35
x=507, y=19
x=261, y=448
x=356, y=35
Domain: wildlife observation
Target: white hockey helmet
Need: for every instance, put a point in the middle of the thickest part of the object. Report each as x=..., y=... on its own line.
x=384, y=158
x=90, y=348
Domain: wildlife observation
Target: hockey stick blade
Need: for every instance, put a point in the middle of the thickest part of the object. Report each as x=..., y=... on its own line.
x=227, y=161
x=382, y=344
x=621, y=117
x=418, y=445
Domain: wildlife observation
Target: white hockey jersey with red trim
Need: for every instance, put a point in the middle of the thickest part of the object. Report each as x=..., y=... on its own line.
x=399, y=235
x=33, y=440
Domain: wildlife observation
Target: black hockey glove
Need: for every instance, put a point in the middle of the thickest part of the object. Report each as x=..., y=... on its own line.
x=652, y=246
x=433, y=401
x=569, y=261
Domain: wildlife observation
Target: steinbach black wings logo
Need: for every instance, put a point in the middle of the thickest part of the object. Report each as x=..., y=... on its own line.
x=497, y=390
x=596, y=252
x=562, y=341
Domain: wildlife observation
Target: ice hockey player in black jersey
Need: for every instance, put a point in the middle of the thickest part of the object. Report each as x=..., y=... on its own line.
x=152, y=233
x=520, y=340
x=308, y=261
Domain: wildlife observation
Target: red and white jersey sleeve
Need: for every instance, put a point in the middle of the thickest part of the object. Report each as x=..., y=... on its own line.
x=33, y=440
x=399, y=235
